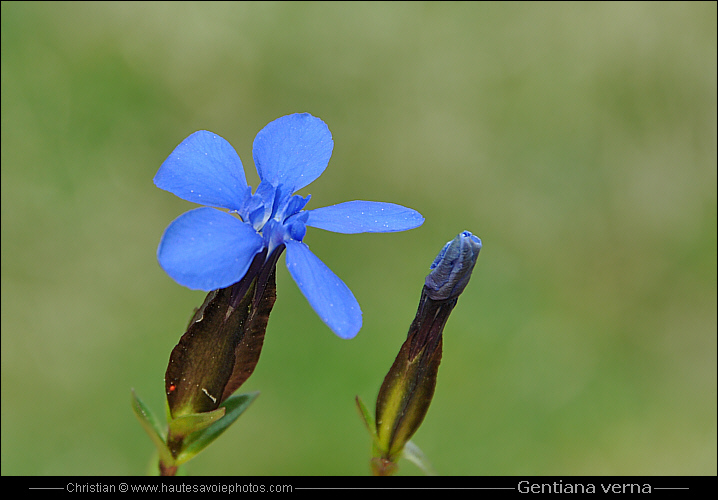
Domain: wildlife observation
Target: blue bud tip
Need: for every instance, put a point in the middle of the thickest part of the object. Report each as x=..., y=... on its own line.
x=451, y=270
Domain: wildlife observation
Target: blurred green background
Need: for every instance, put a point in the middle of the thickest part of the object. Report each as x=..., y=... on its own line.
x=577, y=140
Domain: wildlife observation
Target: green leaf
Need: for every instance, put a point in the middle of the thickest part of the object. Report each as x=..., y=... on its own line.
x=194, y=422
x=198, y=441
x=152, y=427
x=366, y=416
x=416, y=456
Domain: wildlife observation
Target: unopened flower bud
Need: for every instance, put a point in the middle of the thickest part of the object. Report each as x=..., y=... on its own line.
x=452, y=268
x=408, y=388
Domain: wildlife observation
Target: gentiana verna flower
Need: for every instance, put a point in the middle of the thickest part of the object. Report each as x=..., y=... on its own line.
x=207, y=249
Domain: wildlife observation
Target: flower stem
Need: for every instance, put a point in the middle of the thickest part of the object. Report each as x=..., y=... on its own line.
x=167, y=470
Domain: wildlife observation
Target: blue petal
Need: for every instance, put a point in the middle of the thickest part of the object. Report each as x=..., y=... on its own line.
x=297, y=226
x=292, y=151
x=205, y=169
x=364, y=217
x=328, y=295
x=205, y=249
x=259, y=206
x=291, y=207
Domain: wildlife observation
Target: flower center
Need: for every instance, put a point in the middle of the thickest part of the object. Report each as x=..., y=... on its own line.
x=277, y=218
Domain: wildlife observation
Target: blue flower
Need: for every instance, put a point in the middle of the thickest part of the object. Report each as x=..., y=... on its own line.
x=207, y=249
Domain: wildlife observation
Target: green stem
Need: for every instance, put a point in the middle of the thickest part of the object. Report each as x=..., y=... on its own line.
x=165, y=470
